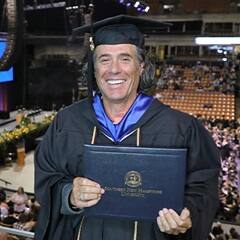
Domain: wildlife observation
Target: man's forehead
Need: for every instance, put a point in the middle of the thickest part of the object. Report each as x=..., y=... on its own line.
x=116, y=49
x=124, y=46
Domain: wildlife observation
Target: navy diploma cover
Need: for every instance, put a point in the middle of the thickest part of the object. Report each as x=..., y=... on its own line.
x=138, y=181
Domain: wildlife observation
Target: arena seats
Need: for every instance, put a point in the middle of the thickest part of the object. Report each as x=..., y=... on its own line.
x=208, y=104
x=199, y=90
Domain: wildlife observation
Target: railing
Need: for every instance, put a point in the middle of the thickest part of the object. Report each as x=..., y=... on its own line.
x=17, y=232
x=6, y=182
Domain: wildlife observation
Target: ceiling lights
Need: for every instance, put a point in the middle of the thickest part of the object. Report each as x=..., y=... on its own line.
x=217, y=40
x=37, y=6
x=140, y=6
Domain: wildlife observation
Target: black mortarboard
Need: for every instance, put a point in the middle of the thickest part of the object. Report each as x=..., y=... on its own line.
x=119, y=30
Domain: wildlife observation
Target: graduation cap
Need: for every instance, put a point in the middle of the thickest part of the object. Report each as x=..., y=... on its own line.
x=121, y=29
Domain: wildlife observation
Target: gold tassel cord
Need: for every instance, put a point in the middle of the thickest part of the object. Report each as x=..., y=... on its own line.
x=94, y=135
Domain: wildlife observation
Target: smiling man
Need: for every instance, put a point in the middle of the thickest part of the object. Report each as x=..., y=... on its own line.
x=116, y=113
x=118, y=71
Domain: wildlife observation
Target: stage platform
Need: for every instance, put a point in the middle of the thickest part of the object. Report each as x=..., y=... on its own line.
x=10, y=124
x=11, y=172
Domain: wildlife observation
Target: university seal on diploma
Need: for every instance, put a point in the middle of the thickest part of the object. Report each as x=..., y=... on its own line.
x=133, y=179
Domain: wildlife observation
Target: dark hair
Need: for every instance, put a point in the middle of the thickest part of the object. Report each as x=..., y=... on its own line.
x=10, y=207
x=20, y=190
x=233, y=233
x=24, y=217
x=3, y=195
x=147, y=79
x=34, y=212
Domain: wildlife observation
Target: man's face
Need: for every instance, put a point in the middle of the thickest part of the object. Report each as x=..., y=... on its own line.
x=117, y=71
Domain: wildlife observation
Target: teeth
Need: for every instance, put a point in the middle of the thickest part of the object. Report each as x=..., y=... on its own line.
x=115, y=81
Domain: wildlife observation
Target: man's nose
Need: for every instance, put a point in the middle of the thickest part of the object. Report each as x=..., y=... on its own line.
x=115, y=66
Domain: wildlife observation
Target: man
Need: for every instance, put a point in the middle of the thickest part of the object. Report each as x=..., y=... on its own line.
x=116, y=111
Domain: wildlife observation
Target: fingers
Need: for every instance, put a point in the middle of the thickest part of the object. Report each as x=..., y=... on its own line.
x=85, y=192
x=170, y=222
x=184, y=219
x=185, y=214
x=84, y=182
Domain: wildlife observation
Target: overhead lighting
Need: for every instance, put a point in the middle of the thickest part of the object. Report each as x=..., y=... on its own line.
x=168, y=6
x=37, y=6
x=217, y=40
x=71, y=7
x=221, y=48
x=136, y=4
x=147, y=9
x=140, y=5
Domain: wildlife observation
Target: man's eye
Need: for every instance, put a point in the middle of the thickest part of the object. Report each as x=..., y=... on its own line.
x=104, y=60
x=126, y=59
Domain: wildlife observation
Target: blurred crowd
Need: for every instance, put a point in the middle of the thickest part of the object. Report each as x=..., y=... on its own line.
x=19, y=211
x=226, y=134
x=218, y=233
x=204, y=77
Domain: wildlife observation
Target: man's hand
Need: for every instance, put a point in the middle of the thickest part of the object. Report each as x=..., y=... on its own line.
x=85, y=192
x=170, y=222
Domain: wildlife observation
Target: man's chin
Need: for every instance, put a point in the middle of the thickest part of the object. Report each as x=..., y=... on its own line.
x=117, y=99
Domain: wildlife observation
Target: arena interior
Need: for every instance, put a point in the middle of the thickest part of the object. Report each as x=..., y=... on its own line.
x=42, y=70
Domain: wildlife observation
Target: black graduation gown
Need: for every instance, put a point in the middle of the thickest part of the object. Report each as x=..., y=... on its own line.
x=58, y=161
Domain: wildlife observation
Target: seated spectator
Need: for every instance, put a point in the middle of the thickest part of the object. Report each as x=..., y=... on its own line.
x=233, y=234
x=20, y=200
x=33, y=215
x=27, y=220
x=217, y=230
x=207, y=105
x=22, y=220
x=3, y=205
x=11, y=218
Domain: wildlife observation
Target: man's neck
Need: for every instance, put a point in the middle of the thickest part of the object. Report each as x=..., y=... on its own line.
x=116, y=111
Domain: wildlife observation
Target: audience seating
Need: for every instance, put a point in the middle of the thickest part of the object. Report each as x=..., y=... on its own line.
x=195, y=98
x=208, y=104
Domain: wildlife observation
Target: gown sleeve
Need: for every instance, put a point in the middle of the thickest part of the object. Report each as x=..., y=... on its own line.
x=50, y=179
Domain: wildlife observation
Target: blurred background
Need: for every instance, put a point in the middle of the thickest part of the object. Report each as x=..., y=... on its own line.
x=197, y=62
